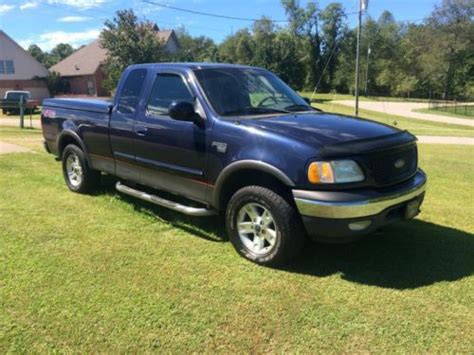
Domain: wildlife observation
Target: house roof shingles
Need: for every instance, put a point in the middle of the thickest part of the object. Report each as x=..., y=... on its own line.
x=86, y=60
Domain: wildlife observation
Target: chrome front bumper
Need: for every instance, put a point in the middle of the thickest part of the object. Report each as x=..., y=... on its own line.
x=346, y=205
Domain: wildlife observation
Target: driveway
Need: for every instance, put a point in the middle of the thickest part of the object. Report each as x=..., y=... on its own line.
x=6, y=148
x=406, y=109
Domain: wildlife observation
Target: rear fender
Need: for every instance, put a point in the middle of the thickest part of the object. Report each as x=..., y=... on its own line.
x=70, y=137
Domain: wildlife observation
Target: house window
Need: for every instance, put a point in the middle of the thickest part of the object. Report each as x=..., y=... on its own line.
x=7, y=67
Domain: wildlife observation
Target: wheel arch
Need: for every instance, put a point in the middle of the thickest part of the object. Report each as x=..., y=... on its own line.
x=67, y=137
x=245, y=173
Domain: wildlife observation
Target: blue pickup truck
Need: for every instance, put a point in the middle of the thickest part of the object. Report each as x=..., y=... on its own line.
x=237, y=140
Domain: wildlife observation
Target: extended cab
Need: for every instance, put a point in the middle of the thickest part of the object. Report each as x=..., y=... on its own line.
x=237, y=140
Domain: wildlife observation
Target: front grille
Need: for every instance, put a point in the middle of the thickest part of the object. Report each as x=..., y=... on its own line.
x=392, y=166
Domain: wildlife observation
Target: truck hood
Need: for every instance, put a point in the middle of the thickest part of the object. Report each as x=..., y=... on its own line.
x=321, y=129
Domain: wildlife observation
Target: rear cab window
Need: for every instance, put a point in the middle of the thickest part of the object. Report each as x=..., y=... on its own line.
x=129, y=96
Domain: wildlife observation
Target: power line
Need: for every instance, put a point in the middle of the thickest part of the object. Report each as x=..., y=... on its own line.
x=69, y=11
x=206, y=13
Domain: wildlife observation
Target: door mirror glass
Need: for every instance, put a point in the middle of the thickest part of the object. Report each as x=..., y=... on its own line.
x=182, y=111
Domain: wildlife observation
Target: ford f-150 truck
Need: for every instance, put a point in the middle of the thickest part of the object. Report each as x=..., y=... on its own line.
x=237, y=140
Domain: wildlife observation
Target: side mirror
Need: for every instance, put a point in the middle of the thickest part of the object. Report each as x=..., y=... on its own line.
x=308, y=101
x=182, y=111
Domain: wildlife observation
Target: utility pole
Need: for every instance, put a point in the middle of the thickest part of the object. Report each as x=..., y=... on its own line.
x=362, y=6
x=367, y=70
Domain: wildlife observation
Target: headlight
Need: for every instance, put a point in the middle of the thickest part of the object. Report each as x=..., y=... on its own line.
x=336, y=171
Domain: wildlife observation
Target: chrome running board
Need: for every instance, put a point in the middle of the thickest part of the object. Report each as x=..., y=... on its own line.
x=191, y=211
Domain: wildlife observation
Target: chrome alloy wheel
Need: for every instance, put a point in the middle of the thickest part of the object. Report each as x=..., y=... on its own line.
x=74, y=170
x=257, y=228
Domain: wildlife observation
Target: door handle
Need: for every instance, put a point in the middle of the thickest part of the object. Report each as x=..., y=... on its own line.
x=141, y=130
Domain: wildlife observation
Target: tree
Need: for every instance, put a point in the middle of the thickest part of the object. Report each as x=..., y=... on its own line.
x=56, y=84
x=450, y=35
x=238, y=48
x=37, y=53
x=129, y=41
x=61, y=51
x=433, y=58
x=288, y=64
x=58, y=53
x=195, y=49
x=343, y=80
x=332, y=18
x=304, y=25
x=263, y=33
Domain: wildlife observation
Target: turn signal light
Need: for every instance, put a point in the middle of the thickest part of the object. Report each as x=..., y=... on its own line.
x=320, y=172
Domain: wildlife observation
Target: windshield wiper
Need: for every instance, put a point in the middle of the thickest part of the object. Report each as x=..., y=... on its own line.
x=254, y=110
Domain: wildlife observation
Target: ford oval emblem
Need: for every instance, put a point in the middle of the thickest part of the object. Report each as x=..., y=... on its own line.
x=399, y=163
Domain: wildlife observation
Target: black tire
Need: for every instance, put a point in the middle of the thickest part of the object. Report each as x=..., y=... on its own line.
x=289, y=229
x=90, y=179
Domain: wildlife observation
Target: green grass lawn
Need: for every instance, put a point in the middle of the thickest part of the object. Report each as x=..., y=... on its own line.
x=336, y=96
x=108, y=273
x=461, y=112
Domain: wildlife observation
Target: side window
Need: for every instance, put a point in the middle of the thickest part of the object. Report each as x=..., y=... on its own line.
x=130, y=94
x=9, y=67
x=166, y=89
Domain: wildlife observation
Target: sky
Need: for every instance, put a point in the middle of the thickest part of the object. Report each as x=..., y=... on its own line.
x=77, y=22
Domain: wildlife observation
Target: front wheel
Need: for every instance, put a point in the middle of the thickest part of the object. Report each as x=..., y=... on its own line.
x=77, y=174
x=263, y=227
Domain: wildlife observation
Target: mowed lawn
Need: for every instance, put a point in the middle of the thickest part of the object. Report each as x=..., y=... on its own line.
x=108, y=273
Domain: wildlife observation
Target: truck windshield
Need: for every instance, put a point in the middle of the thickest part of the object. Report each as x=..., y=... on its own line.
x=248, y=92
x=17, y=95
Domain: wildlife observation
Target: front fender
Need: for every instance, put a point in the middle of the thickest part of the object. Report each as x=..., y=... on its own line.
x=240, y=165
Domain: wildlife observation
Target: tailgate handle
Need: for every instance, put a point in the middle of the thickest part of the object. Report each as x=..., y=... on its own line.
x=141, y=130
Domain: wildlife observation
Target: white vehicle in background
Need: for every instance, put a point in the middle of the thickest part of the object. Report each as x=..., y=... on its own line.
x=11, y=102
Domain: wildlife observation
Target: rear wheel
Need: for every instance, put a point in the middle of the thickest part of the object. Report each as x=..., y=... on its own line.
x=77, y=174
x=263, y=227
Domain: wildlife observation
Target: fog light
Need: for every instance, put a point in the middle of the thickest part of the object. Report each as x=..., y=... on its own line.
x=360, y=225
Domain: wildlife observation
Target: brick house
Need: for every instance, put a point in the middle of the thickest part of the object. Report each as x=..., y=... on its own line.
x=20, y=71
x=83, y=69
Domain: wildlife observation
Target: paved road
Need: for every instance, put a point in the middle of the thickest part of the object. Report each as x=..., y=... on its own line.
x=405, y=109
x=6, y=148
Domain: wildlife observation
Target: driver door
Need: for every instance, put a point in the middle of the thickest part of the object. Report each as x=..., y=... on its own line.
x=171, y=154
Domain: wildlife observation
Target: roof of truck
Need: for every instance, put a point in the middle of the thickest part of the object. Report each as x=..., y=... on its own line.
x=191, y=65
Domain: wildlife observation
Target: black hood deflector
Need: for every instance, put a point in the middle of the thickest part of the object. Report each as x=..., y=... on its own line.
x=369, y=145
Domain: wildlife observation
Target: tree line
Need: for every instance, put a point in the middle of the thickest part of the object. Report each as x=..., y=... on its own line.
x=48, y=59
x=316, y=49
